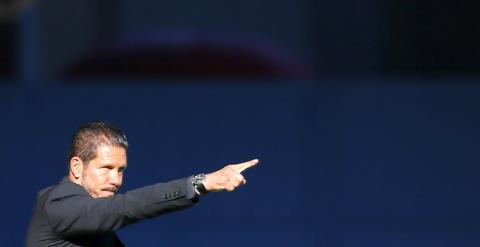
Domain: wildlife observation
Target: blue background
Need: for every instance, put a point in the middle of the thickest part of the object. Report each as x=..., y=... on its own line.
x=349, y=163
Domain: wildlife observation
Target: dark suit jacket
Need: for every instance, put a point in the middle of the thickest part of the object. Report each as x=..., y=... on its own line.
x=66, y=215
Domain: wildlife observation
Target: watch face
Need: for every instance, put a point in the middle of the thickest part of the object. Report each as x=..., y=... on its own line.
x=198, y=179
x=198, y=183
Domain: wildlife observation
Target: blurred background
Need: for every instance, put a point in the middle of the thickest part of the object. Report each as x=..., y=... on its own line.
x=364, y=114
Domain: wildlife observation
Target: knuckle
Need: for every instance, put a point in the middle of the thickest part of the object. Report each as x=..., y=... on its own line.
x=237, y=183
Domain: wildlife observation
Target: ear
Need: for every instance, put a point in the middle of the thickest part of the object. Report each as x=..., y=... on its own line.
x=76, y=168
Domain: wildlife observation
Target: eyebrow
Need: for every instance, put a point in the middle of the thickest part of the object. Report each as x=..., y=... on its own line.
x=111, y=165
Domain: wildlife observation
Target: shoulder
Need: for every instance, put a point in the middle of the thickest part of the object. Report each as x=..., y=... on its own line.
x=65, y=189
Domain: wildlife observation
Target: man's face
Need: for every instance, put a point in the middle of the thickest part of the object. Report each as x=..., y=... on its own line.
x=103, y=176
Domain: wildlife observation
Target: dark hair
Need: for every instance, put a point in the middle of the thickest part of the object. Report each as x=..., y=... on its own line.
x=89, y=136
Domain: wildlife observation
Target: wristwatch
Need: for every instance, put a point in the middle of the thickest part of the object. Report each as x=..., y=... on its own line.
x=197, y=182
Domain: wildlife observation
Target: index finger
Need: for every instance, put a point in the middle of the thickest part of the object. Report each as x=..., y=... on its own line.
x=245, y=165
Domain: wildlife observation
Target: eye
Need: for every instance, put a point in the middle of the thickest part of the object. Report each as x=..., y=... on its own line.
x=105, y=169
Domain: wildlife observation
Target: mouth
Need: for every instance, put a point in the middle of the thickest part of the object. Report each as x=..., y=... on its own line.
x=112, y=191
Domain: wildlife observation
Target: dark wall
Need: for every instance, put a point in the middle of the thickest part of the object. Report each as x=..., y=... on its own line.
x=283, y=23
x=8, y=49
x=334, y=38
x=438, y=37
x=352, y=163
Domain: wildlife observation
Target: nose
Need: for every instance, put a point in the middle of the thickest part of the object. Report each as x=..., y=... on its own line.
x=115, y=179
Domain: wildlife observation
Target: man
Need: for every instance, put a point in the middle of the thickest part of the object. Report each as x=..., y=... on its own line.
x=84, y=209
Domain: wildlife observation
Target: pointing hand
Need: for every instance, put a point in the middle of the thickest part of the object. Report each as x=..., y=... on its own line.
x=228, y=178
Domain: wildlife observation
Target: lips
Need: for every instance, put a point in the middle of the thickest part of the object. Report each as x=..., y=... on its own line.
x=111, y=190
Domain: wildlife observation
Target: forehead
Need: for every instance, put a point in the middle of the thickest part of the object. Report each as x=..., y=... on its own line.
x=111, y=155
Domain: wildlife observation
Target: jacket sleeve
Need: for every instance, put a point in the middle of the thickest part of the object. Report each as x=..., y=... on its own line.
x=71, y=211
